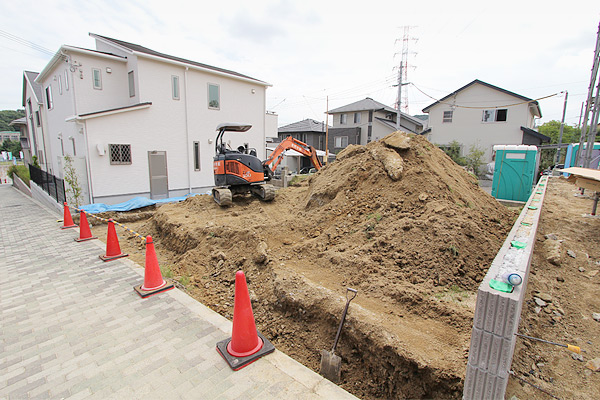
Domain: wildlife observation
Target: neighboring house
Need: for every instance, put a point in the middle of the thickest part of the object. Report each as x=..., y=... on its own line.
x=483, y=115
x=367, y=120
x=9, y=135
x=33, y=102
x=308, y=131
x=21, y=124
x=138, y=122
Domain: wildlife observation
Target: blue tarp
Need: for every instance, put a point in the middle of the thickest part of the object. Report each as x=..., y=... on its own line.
x=136, y=202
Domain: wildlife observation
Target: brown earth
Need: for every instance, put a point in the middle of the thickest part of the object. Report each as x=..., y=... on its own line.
x=396, y=219
x=571, y=286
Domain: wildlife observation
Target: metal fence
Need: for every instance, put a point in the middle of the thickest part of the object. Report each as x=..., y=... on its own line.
x=52, y=185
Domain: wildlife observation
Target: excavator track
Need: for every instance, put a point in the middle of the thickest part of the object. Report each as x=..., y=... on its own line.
x=265, y=192
x=222, y=196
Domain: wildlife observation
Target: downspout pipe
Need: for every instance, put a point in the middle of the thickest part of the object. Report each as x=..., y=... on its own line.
x=187, y=130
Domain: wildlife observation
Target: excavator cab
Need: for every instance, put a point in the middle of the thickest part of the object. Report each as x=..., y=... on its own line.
x=238, y=171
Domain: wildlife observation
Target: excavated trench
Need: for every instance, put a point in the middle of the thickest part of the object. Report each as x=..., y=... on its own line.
x=397, y=220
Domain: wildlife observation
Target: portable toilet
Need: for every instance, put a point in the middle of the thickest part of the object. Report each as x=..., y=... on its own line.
x=514, y=172
x=571, y=156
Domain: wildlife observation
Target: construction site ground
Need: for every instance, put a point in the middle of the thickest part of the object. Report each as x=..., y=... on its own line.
x=414, y=234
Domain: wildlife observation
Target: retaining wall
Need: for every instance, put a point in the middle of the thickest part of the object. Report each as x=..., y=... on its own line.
x=19, y=184
x=40, y=195
x=497, y=313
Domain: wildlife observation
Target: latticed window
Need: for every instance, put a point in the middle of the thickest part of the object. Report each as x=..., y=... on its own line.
x=120, y=153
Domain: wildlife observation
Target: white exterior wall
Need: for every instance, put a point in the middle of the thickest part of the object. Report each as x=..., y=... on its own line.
x=467, y=127
x=34, y=132
x=162, y=127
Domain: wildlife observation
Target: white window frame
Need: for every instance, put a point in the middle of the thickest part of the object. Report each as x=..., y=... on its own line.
x=343, y=119
x=357, y=118
x=197, y=165
x=493, y=115
x=49, y=102
x=447, y=116
x=339, y=142
x=99, y=71
x=175, y=87
x=59, y=78
x=131, y=82
x=218, y=107
x=66, y=80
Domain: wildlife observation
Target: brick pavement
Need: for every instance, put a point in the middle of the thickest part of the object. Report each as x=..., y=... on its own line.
x=72, y=327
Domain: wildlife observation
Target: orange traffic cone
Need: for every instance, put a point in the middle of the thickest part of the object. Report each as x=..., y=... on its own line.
x=153, y=280
x=246, y=344
x=67, y=219
x=84, y=228
x=113, y=250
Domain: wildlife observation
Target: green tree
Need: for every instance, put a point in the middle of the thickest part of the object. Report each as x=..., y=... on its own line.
x=551, y=129
x=474, y=158
x=73, y=189
x=13, y=146
x=7, y=116
x=453, y=151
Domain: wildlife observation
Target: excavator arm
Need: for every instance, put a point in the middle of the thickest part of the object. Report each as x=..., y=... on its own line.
x=275, y=158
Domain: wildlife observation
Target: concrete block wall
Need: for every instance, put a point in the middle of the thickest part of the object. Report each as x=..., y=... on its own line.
x=497, y=313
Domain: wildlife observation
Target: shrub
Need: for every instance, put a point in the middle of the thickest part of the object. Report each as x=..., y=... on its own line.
x=22, y=172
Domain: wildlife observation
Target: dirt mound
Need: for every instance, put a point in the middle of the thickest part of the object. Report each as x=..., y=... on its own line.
x=396, y=219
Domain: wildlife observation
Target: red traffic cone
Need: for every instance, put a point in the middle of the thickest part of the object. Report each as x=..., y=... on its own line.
x=246, y=344
x=84, y=228
x=113, y=250
x=153, y=280
x=67, y=219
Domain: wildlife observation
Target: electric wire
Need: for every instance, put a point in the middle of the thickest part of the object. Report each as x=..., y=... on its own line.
x=26, y=42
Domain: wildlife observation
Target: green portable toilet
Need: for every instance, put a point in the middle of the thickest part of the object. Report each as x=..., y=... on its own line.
x=514, y=172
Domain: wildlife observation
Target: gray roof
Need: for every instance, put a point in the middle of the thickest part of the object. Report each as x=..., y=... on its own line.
x=392, y=124
x=142, y=49
x=306, y=125
x=37, y=88
x=19, y=121
x=370, y=104
x=362, y=105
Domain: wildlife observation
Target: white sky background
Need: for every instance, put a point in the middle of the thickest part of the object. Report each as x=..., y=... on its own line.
x=342, y=49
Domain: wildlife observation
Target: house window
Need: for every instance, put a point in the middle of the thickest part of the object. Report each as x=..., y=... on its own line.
x=72, y=139
x=196, y=156
x=97, y=78
x=343, y=119
x=369, y=133
x=341, y=141
x=38, y=121
x=175, y=87
x=66, y=80
x=498, y=115
x=131, y=84
x=119, y=153
x=357, y=118
x=213, y=96
x=59, y=84
x=448, y=116
x=49, y=102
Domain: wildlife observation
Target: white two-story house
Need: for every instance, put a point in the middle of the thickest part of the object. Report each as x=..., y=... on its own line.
x=483, y=115
x=138, y=122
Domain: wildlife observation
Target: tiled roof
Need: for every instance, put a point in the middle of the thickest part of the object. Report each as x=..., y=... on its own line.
x=306, y=125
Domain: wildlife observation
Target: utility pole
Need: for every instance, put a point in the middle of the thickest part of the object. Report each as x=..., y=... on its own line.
x=326, y=134
x=402, y=103
x=562, y=126
x=588, y=104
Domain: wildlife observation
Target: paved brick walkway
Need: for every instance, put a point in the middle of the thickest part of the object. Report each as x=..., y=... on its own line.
x=71, y=326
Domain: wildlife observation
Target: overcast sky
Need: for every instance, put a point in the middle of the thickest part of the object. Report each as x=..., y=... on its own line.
x=347, y=50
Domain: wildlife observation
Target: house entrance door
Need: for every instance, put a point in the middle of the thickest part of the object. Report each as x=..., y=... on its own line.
x=159, y=183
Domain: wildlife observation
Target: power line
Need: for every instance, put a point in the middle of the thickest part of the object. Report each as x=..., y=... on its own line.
x=26, y=43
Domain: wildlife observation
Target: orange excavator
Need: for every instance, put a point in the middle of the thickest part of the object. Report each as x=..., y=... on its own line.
x=241, y=171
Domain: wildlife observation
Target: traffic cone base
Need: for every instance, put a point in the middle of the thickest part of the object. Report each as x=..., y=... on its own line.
x=147, y=293
x=85, y=239
x=237, y=363
x=68, y=226
x=110, y=258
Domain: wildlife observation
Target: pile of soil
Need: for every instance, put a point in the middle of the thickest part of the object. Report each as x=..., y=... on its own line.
x=396, y=219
